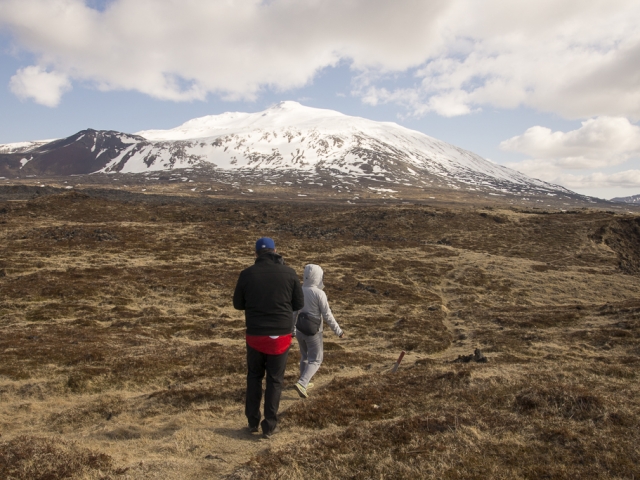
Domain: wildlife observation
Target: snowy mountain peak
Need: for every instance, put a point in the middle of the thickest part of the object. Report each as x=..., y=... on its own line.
x=22, y=147
x=287, y=137
x=286, y=114
x=289, y=104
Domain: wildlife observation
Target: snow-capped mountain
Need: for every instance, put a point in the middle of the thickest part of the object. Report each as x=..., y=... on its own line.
x=21, y=147
x=286, y=137
x=85, y=152
x=635, y=199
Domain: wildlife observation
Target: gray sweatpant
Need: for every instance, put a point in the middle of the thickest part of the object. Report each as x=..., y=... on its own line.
x=310, y=356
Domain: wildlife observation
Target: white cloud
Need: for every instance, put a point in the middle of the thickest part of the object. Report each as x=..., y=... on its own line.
x=45, y=88
x=599, y=142
x=574, y=58
x=590, y=183
x=571, y=159
x=185, y=50
x=629, y=179
x=577, y=58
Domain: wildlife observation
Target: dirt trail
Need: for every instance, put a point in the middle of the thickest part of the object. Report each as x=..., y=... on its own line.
x=231, y=444
x=213, y=447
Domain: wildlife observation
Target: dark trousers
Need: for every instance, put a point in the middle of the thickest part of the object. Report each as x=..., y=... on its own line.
x=274, y=365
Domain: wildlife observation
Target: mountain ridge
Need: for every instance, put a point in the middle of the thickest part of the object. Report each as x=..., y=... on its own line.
x=287, y=137
x=633, y=199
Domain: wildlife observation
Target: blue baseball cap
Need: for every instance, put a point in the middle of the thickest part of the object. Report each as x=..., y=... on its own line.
x=265, y=242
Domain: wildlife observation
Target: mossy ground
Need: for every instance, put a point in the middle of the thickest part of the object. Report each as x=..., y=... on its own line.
x=121, y=355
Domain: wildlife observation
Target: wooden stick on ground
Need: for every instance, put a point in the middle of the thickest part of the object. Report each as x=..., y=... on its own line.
x=397, y=364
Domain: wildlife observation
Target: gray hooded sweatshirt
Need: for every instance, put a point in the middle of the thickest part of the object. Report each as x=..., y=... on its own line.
x=315, y=300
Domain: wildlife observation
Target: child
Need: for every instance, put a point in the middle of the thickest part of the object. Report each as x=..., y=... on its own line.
x=316, y=305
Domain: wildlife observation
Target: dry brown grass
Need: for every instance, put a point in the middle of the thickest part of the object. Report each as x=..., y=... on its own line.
x=463, y=422
x=121, y=356
x=47, y=458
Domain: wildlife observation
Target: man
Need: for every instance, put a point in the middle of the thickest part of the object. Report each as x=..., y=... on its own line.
x=268, y=292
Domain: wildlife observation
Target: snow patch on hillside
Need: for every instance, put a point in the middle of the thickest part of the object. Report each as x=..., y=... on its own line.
x=22, y=147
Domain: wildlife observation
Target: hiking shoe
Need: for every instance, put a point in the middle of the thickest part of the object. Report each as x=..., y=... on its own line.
x=271, y=433
x=309, y=385
x=255, y=429
x=301, y=390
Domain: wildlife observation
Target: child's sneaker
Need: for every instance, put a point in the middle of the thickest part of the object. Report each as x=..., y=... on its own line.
x=301, y=390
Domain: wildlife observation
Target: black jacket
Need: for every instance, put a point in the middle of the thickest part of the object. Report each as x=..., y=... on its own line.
x=269, y=292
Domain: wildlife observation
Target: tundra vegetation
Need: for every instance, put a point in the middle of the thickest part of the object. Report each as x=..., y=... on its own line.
x=121, y=355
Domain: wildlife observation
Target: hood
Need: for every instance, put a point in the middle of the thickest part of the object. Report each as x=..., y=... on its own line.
x=313, y=276
x=274, y=257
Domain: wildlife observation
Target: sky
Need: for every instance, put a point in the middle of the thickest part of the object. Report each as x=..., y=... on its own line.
x=550, y=88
